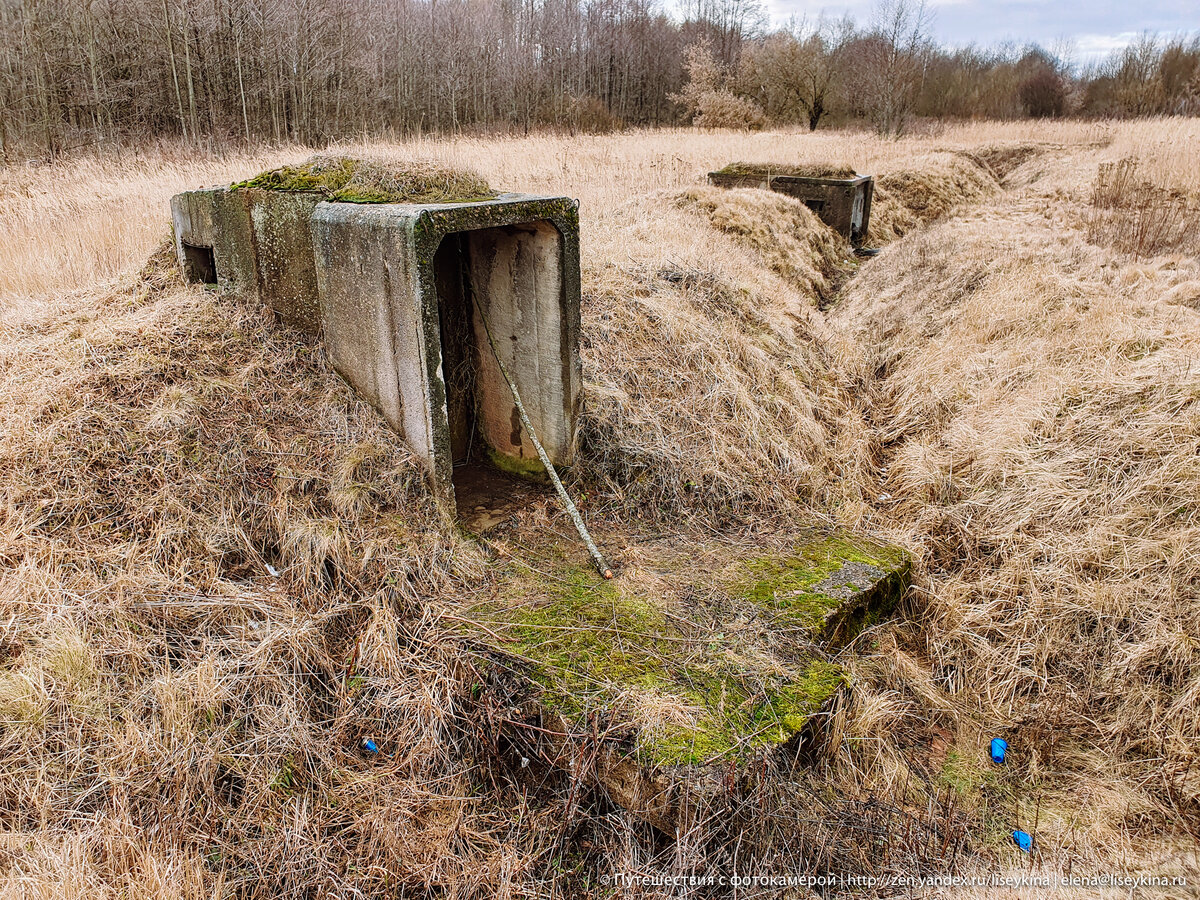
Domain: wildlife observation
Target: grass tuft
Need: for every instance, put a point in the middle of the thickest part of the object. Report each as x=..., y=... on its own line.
x=348, y=180
x=802, y=170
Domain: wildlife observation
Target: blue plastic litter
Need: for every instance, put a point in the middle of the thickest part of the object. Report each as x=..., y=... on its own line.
x=369, y=746
x=999, y=748
x=1023, y=840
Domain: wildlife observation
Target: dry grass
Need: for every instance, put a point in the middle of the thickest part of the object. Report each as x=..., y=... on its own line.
x=1137, y=216
x=785, y=233
x=63, y=227
x=221, y=572
x=924, y=190
x=1035, y=421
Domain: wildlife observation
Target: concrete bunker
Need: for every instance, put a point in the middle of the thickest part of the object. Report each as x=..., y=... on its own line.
x=400, y=293
x=405, y=293
x=839, y=197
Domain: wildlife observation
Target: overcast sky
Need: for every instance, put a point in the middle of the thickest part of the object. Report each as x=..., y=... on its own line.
x=1094, y=27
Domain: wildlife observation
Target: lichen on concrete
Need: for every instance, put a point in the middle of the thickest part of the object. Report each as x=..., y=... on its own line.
x=834, y=586
x=348, y=180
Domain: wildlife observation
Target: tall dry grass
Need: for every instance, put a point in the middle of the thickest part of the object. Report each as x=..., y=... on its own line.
x=221, y=572
x=1031, y=405
x=67, y=225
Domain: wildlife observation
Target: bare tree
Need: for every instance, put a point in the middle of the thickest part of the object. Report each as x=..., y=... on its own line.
x=79, y=73
x=892, y=63
x=795, y=73
x=707, y=98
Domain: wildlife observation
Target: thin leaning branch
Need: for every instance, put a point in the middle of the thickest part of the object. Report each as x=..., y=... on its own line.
x=601, y=566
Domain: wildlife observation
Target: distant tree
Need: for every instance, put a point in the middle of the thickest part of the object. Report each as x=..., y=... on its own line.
x=1043, y=94
x=795, y=74
x=724, y=25
x=890, y=63
x=1043, y=89
x=1129, y=83
x=1179, y=74
x=82, y=73
x=706, y=98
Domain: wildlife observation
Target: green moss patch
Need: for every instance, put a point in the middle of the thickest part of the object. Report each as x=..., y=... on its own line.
x=587, y=644
x=697, y=652
x=806, y=170
x=529, y=468
x=834, y=586
x=348, y=180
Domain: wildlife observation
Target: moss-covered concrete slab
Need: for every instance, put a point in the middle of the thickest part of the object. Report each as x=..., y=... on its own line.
x=835, y=586
x=697, y=655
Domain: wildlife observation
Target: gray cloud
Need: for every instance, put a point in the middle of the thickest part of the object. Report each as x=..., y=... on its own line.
x=1094, y=27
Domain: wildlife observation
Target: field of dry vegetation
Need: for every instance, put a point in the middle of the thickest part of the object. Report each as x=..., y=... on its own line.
x=221, y=572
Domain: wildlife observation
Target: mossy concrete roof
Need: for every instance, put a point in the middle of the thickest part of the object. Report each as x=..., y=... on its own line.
x=797, y=170
x=349, y=180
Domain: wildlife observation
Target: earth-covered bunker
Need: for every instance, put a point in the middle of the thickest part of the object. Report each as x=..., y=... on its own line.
x=400, y=293
x=840, y=198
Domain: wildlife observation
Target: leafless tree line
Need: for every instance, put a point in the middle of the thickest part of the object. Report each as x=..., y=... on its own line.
x=77, y=73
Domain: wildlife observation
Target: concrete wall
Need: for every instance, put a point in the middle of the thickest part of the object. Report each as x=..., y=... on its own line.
x=517, y=280
x=261, y=243
x=287, y=277
x=381, y=316
x=371, y=314
x=192, y=215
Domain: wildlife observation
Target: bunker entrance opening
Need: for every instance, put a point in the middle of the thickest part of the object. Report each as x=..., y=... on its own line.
x=200, y=265
x=499, y=273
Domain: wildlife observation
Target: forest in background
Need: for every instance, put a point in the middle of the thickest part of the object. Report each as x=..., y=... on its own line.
x=79, y=74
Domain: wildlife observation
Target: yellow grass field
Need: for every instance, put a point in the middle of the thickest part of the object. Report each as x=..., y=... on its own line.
x=1010, y=390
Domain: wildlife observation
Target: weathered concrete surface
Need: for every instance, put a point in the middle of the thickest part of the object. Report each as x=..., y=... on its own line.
x=703, y=654
x=844, y=204
x=383, y=318
x=233, y=244
x=216, y=219
x=261, y=243
x=372, y=319
x=518, y=280
x=287, y=277
x=193, y=218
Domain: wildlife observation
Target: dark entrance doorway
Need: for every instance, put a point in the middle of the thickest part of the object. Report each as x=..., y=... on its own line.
x=485, y=495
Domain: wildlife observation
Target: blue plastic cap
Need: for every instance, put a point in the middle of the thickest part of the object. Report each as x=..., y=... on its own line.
x=1023, y=840
x=370, y=747
x=999, y=747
